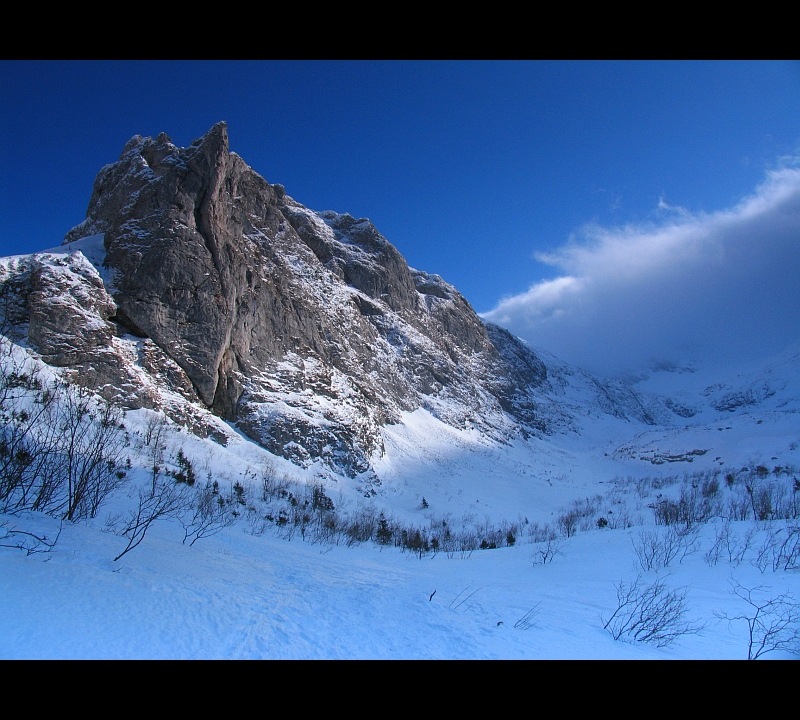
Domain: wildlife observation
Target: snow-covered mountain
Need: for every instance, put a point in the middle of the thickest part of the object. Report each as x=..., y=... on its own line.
x=204, y=350
x=196, y=288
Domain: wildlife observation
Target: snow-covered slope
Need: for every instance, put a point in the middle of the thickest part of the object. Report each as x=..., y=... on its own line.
x=569, y=523
x=667, y=423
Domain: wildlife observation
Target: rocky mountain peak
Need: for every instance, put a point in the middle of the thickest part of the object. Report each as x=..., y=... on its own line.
x=306, y=330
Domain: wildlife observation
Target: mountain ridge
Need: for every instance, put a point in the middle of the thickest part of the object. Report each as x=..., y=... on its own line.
x=253, y=296
x=197, y=288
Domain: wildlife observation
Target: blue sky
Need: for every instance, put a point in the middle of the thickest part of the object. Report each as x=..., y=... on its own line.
x=567, y=200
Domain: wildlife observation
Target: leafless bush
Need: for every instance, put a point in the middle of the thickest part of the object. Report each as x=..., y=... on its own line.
x=61, y=449
x=773, y=623
x=28, y=436
x=650, y=614
x=666, y=512
x=448, y=539
x=509, y=532
x=155, y=439
x=257, y=521
x=656, y=549
x=709, y=486
x=728, y=542
x=209, y=513
x=272, y=485
x=454, y=542
x=568, y=523
x=361, y=526
x=155, y=430
x=94, y=440
x=787, y=556
x=326, y=526
x=539, y=533
x=643, y=487
x=620, y=519
x=646, y=485
x=738, y=504
x=760, y=500
x=460, y=540
x=764, y=553
x=794, y=503
x=546, y=550
x=581, y=516
x=286, y=526
x=692, y=507
x=784, y=500
x=493, y=536
x=769, y=498
x=29, y=456
x=30, y=542
x=168, y=500
x=780, y=549
x=587, y=509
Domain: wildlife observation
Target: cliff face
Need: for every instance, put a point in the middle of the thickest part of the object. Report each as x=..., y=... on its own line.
x=308, y=330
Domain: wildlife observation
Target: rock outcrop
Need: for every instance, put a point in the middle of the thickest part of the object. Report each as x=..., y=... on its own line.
x=307, y=330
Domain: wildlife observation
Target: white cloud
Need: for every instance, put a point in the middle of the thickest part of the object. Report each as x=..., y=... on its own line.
x=720, y=285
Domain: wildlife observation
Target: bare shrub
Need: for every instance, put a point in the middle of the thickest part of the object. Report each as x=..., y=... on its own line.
x=272, y=485
x=448, y=539
x=788, y=555
x=538, y=533
x=727, y=542
x=546, y=550
x=94, y=440
x=568, y=523
x=257, y=521
x=361, y=526
x=467, y=542
x=650, y=614
x=769, y=498
x=646, y=485
x=773, y=623
x=29, y=440
x=208, y=514
x=61, y=448
x=643, y=487
x=620, y=519
x=155, y=440
x=793, y=512
x=168, y=500
x=325, y=527
x=764, y=553
x=581, y=516
x=691, y=508
x=780, y=549
x=649, y=549
x=656, y=549
x=30, y=542
x=738, y=505
x=710, y=487
x=29, y=454
x=415, y=540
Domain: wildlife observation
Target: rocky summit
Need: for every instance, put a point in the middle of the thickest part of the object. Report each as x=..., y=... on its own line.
x=197, y=287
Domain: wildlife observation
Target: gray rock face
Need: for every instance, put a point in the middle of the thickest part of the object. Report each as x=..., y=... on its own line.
x=54, y=324
x=306, y=329
x=57, y=304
